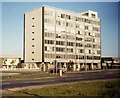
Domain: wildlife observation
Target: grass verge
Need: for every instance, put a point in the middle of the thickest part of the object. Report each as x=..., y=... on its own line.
x=26, y=76
x=107, y=89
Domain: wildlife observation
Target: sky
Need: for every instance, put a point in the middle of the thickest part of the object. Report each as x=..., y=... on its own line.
x=12, y=24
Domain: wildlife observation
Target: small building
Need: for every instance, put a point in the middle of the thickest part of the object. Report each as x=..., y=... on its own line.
x=110, y=62
x=10, y=62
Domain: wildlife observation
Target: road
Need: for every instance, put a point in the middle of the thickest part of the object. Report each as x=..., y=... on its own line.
x=67, y=77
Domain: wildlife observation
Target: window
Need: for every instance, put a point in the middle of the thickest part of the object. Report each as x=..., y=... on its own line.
x=32, y=59
x=96, y=29
x=32, y=45
x=59, y=42
x=79, y=44
x=32, y=25
x=49, y=41
x=89, y=51
x=77, y=26
x=69, y=50
x=86, y=27
x=32, y=32
x=32, y=38
x=81, y=51
x=86, y=14
x=78, y=19
x=89, y=57
x=78, y=32
x=77, y=38
x=68, y=17
x=93, y=15
x=96, y=57
x=32, y=52
x=98, y=52
x=89, y=33
x=70, y=43
x=62, y=15
x=45, y=48
x=66, y=23
x=33, y=18
x=81, y=57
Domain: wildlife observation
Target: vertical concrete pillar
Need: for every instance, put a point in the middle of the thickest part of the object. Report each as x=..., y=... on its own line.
x=43, y=67
x=86, y=66
x=48, y=65
x=74, y=67
x=65, y=65
x=92, y=66
x=60, y=72
x=78, y=69
x=99, y=66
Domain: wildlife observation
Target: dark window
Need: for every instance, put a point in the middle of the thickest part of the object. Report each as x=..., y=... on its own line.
x=62, y=15
x=45, y=48
x=81, y=51
x=86, y=14
x=86, y=27
x=32, y=25
x=32, y=45
x=89, y=51
x=32, y=38
x=89, y=33
x=32, y=32
x=78, y=32
x=93, y=15
x=33, y=18
x=32, y=52
x=33, y=59
x=66, y=23
x=68, y=16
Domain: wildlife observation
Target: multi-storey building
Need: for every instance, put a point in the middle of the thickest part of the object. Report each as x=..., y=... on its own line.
x=52, y=34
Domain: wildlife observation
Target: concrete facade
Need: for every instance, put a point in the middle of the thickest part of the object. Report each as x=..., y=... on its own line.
x=52, y=34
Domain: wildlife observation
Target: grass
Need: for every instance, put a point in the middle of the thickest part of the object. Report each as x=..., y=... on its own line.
x=25, y=76
x=107, y=89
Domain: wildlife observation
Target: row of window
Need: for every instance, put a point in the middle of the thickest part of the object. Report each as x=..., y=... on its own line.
x=49, y=41
x=60, y=34
x=58, y=49
x=70, y=37
x=69, y=17
x=60, y=43
x=69, y=24
x=70, y=50
x=62, y=56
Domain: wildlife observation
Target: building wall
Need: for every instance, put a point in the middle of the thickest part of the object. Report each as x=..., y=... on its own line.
x=56, y=26
x=68, y=36
x=33, y=36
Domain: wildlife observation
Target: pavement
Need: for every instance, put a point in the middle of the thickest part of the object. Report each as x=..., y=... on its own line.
x=70, y=77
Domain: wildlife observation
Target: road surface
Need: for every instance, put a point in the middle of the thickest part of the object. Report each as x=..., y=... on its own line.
x=67, y=78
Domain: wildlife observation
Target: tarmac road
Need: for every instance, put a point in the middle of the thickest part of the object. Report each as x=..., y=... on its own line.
x=66, y=78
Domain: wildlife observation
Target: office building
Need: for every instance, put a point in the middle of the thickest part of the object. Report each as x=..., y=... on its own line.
x=53, y=34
